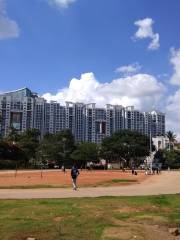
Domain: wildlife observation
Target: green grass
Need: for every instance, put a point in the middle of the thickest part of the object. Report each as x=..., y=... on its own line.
x=123, y=180
x=82, y=218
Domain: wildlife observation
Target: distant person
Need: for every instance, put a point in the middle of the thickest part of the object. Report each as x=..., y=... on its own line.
x=63, y=168
x=91, y=165
x=133, y=170
x=74, y=175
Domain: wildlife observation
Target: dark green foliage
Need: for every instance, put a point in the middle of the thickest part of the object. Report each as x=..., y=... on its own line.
x=10, y=155
x=172, y=137
x=57, y=148
x=168, y=158
x=172, y=159
x=27, y=149
x=125, y=145
x=86, y=152
x=18, y=149
x=29, y=142
x=13, y=135
x=159, y=157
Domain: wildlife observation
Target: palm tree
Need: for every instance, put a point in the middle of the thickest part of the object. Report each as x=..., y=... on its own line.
x=172, y=138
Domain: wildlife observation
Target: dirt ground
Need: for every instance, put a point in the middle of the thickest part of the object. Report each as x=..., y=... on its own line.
x=164, y=183
x=58, y=178
x=142, y=226
x=153, y=230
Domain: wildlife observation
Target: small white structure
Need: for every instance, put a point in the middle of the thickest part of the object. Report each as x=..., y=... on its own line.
x=161, y=142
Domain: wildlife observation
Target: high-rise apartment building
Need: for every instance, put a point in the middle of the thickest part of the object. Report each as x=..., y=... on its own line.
x=23, y=109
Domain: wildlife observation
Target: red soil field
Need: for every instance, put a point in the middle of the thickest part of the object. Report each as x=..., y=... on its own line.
x=58, y=178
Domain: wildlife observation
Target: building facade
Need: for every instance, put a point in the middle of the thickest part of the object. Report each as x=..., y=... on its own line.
x=23, y=109
x=161, y=143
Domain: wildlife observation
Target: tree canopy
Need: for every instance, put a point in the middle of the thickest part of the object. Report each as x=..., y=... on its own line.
x=57, y=147
x=126, y=146
x=172, y=138
x=85, y=152
x=172, y=159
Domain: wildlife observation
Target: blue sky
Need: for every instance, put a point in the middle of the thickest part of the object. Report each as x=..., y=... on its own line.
x=47, y=45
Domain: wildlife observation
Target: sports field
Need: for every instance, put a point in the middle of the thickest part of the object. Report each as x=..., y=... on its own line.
x=94, y=218
x=57, y=178
x=104, y=218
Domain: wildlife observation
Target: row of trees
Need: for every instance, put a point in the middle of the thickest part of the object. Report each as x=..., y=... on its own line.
x=126, y=147
x=27, y=149
x=169, y=157
x=18, y=148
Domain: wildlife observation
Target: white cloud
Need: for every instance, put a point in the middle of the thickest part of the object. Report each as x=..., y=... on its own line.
x=173, y=101
x=129, y=69
x=61, y=3
x=175, y=61
x=141, y=90
x=173, y=113
x=8, y=27
x=145, y=30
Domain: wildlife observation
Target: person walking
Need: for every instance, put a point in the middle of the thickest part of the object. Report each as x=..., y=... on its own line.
x=74, y=175
x=63, y=168
x=133, y=170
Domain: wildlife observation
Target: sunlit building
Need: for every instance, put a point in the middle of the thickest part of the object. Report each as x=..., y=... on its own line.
x=22, y=109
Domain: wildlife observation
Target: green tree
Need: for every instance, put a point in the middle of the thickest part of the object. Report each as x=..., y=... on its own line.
x=57, y=147
x=13, y=136
x=172, y=159
x=10, y=155
x=125, y=145
x=29, y=142
x=172, y=138
x=85, y=152
x=50, y=149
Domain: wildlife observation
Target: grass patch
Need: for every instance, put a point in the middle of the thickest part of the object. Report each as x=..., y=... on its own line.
x=124, y=180
x=83, y=218
x=113, y=182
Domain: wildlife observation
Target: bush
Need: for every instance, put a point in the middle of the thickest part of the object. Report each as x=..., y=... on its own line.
x=7, y=164
x=172, y=159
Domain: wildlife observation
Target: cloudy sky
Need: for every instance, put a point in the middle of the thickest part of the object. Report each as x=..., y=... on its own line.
x=105, y=51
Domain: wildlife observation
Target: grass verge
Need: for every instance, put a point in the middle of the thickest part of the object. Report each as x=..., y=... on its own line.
x=88, y=218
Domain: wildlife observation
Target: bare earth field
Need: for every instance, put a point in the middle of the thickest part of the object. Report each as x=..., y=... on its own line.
x=164, y=183
x=56, y=178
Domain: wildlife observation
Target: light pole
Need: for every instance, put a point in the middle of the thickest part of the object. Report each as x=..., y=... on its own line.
x=150, y=147
x=150, y=142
